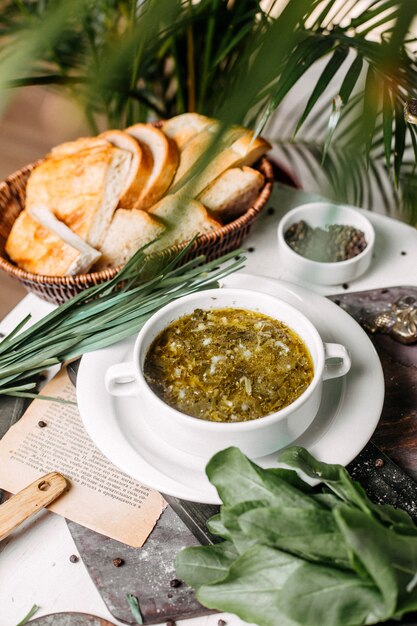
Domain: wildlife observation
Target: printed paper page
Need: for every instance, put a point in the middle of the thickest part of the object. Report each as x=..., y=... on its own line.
x=101, y=497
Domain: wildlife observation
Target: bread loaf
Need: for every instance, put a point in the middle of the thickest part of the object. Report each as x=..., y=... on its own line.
x=165, y=161
x=129, y=231
x=236, y=147
x=37, y=249
x=232, y=193
x=183, y=218
x=82, y=189
x=71, y=147
x=141, y=166
x=182, y=128
x=195, y=149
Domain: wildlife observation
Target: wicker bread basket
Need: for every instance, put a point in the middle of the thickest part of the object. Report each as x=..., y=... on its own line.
x=58, y=289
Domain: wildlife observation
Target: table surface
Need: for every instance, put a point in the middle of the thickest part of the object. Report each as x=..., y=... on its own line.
x=34, y=560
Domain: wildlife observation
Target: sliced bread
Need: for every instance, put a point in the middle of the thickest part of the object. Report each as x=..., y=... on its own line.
x=165, y=161
x=205, y=141
x=140, y=167
x=232, y=193
x=183, y=218
x=39, y=250
x=81, y=189
x=71, y=147
x=129, y=231
x=182, y=128
x=243, y=151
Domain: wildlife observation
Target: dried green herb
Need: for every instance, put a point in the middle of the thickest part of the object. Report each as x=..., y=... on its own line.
x=134, y=607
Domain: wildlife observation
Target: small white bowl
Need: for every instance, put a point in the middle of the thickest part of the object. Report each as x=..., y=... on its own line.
x=203, y=438
x=322, y=214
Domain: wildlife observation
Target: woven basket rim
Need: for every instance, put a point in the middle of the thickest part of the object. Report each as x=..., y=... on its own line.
x=80, y=280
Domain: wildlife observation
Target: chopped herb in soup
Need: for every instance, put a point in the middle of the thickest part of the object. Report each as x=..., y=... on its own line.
x=228, y=365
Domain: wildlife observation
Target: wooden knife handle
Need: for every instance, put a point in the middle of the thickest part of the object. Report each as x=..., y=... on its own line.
x=29, y=500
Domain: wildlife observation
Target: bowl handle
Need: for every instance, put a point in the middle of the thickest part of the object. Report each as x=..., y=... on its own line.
x=339, y=367
x=120, y=380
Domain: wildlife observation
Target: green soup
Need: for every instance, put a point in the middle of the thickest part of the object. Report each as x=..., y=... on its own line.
x=228, y=365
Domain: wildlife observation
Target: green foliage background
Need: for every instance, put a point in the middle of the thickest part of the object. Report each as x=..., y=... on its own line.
x=126, y=61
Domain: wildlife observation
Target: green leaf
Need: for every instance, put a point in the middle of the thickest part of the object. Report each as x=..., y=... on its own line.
x=133, y=603
x=376, y=554
x=336, y=61
x=310, y=533
x=29, y=616
x=331, y=127
x=387, y=117
x=307, y=53
x=389, y=557
x=230, y=517
x=315, y=594
x=102, y=315
x=251, y=587
x=338, y=480
x=216, y=527
x=413, y=134
x=370, y=109
x=399, y=142
x=351, y=79
x=239, y=480
x=204, y=565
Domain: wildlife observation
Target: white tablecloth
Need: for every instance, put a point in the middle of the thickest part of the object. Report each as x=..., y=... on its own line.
x=34, y=561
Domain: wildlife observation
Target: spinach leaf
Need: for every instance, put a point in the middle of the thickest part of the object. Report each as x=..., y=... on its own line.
x=203, y=565
x=251, y=587
x=310, y=533
x=390, y=559
x=238, y=480
x=216, y=527
x=338, y=480
x=230, y=517
x=316, y=595
x=295, y=557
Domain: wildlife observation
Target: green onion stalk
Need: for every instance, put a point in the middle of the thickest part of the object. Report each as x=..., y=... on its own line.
x=105, y=314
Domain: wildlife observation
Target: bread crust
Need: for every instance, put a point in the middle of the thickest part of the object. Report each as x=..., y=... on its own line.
x=130, y=230
x=71, y=147
x=232, y=151
x=36, y=249
x=79, y=188
x=140, y=168
x=232, y=193
x=165, y=162
x=182, y=128
x=183, y=217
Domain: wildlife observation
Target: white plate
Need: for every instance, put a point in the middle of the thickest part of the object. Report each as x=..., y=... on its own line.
x=347, y=417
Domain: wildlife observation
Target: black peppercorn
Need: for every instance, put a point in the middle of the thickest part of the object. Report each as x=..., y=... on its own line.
x=74, y=558
x=379, y=463
x=175, y=582
x=118, y=562
x=221, y=622
x=170, y=622
x=42, y=424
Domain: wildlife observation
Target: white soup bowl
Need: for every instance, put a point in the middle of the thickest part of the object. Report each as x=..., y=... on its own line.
x=201, y=437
